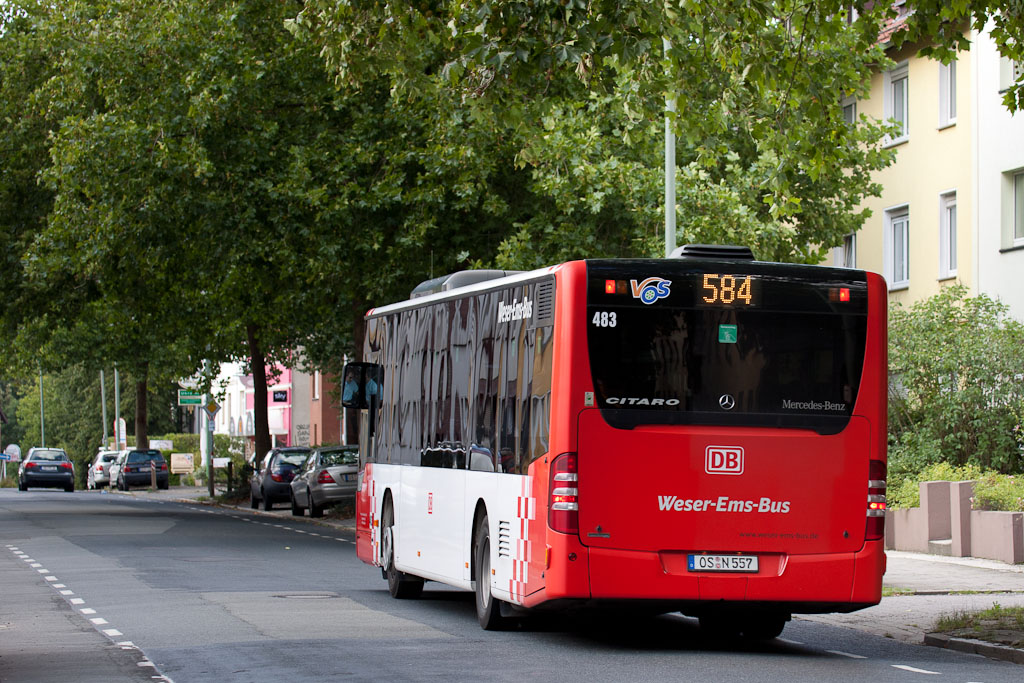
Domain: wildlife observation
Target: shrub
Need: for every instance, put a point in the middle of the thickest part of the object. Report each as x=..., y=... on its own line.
x=956, y=393
x=996, y=491
x=903, y=490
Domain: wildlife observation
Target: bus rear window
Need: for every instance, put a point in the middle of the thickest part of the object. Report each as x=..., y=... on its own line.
x=735, y=343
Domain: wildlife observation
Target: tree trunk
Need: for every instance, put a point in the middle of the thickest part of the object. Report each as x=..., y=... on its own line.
x=259, y=385
x=141, y=411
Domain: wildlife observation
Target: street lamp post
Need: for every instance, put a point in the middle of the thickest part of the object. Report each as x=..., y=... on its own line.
x=42, y=412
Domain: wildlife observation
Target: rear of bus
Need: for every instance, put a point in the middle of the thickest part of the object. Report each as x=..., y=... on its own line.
x=731, y=437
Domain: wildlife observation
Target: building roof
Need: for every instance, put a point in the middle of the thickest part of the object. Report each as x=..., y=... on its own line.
x=894, y=24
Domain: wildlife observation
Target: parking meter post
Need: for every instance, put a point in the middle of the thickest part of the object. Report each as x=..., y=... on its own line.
x=152, y=474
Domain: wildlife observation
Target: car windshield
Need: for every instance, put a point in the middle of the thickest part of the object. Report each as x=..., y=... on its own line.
x=143, y=456
x=347, y=456
x=292, y=459
x=50, y=456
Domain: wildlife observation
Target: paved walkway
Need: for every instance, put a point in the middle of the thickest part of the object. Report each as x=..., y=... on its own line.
x=936, y=585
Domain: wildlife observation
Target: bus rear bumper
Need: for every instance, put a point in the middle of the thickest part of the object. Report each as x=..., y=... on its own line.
x=833, y=582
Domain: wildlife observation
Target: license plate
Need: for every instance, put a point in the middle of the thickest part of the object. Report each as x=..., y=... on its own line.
x=347, y=477
x=48, y=468
x=722, y=563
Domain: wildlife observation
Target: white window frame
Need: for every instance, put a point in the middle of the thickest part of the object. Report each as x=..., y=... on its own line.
x=947, y=235
x=900, y=73
x=897, y=234
x=947, y=94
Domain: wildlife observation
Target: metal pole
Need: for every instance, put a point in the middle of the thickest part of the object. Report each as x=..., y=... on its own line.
x=103, y=402
x=117, y=410
x=670, y=163
x=208, y=435
x=42, y=412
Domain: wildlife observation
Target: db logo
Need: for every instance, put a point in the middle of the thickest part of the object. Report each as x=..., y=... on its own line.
x=723, y=460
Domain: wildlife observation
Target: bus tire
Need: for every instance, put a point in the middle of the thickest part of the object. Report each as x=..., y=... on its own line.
x=488, y=608
x=401, y=585
x=719, y=624
x=764, y=626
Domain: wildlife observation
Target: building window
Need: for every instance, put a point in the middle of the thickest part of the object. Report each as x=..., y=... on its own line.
x=947, y=94
x=845, y=255
x=897, y=242
x=947, y=235
x=849, y=105
x=897, y=102
x=1018, y=208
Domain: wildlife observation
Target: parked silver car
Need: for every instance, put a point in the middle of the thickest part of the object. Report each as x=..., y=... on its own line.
x=114, y=468
x=99, y=470
x=328, y=476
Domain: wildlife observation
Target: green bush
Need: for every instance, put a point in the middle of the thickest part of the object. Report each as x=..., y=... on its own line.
x=903, y=490
x=955, y=393
x=995, y=491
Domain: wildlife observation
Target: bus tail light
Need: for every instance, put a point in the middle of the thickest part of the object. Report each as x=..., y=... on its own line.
x=564, y=515
x=876, y=501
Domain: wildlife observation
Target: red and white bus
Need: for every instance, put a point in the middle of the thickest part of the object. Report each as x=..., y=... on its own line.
x=704, y=434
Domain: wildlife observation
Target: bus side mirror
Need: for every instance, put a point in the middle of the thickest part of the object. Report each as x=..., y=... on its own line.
x=361, y=386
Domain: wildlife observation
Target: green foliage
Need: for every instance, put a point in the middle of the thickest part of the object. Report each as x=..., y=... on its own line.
x=995, y=491
x=579, y=88
x=956, y=394
x=903, y=490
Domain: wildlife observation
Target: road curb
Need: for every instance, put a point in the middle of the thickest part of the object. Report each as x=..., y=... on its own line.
x=978, y=647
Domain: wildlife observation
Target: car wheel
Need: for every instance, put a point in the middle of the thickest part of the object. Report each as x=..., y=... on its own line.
x=124, y=485
x=267, y=505
x=314, y=509
x=400, y=584
x=488, y=608
x=165, y=485
x=296, y=510
x=22, y=486
x=70, y=489
x=254, y=502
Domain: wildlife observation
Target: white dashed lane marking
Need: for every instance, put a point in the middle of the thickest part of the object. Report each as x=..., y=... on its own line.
x=85, y=611
x=846, y=654
x=915, y=670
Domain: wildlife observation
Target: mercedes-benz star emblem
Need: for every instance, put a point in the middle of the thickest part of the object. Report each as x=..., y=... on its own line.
x=726, y=401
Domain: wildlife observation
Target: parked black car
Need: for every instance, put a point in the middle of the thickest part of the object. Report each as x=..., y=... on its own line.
x=272, y=483
x=136, y=470
x=47, y=467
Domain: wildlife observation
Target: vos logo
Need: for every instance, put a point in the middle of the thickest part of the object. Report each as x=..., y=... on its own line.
x=723, y=460
x=651, y=289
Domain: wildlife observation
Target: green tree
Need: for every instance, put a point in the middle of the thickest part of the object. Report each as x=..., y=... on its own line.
x=956, y=394
x=762, y=141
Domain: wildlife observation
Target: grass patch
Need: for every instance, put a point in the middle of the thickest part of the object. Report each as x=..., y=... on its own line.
x=890, y=591
x=997, y=624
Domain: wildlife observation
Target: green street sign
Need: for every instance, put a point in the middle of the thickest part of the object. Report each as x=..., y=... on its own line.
x=727, y=334
x=187, y=397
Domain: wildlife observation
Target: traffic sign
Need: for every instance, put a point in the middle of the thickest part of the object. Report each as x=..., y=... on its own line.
x=212, y=408
x=13, y=451
x=188, y=397
x=5, y=456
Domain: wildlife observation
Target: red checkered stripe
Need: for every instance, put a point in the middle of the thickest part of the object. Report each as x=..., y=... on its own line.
x=526, y=511
x=374, y=528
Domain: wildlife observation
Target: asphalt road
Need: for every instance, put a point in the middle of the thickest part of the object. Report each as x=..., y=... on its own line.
x=107, y=587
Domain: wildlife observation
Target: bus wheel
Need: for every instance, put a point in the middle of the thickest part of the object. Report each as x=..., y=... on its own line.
x=488, y=608
x=719, y=624
x=764, y=626
x=400, y=584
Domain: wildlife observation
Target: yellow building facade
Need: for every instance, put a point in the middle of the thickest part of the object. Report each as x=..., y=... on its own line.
x=920, y=235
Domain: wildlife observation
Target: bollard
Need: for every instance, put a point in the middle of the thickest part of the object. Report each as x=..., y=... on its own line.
x=152, y=474
x=231, y=470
